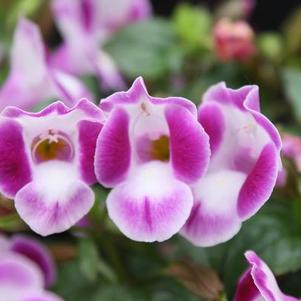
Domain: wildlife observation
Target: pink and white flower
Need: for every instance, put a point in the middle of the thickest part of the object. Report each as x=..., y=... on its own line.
x=31, y=80
x=245, y=160
x=85, y=26
x=259, y=283
x=26, y=268
x=150, y=150
x=47, y=163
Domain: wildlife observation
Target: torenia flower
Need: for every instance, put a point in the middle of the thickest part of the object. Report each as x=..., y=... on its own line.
x=46, y=163
x=31, y=79
x=259, y=283
x=149, y=150
x=234, y=40
x=85, y=26
x=26, y=268
x=245, y=160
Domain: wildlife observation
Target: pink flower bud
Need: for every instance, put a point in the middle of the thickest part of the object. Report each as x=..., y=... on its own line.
x=234, y=40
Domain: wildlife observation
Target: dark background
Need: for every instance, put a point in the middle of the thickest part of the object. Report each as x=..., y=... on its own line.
x=267, y=15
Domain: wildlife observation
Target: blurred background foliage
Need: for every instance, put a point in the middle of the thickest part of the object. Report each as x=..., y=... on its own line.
x=174, y=52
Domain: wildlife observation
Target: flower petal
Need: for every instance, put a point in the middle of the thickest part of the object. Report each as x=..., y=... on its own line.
x=113, y=150
x=15, y=170
x=247, y=142
x=45, y=296
x=265, y=280
x=259, y=183
x=28, y=51
x=25, y=85
x=212, y=119
x=88, y=133
x=214, y=217
x=189, y=144
x=55, y=200
x=246, y=288
x=34, y=251
x=69, y=88
x=151, y=205
x=18, y=276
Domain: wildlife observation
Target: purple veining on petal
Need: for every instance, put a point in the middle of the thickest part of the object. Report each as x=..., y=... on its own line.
x=53, y=215
x=148, y=214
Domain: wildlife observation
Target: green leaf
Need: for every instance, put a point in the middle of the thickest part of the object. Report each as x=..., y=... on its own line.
x=91, y=264
x=292, y=87
x=88, y=258
x=72, y=285
x=192, y=24
x=148, y=48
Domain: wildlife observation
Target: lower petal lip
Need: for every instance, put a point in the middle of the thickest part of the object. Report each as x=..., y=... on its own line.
x=145, y=213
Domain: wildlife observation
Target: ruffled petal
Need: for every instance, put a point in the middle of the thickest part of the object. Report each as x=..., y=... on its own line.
x=15, y=169
x=265, y=280
x=113, y=150
x=242, y=140
x=151, y=205
x=34, y=251
x=213, y=218
x=189, y=144
x=138, y=93
x=55, y=200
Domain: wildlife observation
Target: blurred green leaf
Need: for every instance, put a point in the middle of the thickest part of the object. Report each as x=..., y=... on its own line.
x=91, y=264
x=88, y=258
x=292, y=88
x=270, y=45
x=193, y=24
x=72, y=285
x=148, y=48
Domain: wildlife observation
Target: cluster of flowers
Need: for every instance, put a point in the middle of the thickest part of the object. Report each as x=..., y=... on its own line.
x=172, y=167
x=85, y=26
